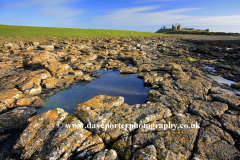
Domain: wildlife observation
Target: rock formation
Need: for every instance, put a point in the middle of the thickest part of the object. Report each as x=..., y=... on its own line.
x=188, y=115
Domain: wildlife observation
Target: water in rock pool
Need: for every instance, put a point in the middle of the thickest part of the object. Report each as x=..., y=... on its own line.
x=111, y=83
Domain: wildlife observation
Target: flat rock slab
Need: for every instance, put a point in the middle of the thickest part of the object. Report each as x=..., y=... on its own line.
x=214, y=143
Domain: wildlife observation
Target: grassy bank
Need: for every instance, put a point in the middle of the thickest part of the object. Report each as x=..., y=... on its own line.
x=26, y=33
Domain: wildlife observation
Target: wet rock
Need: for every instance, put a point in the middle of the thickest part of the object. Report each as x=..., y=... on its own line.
x=208, y=109
x=9, y=96
x=16, y=118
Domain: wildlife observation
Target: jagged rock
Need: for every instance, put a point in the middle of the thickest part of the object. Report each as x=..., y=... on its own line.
x=128, y=70
x=177, y=101
x=64, y=141
x=152, y=80
x=214, y=143
x=237, y=85
x=172, y=142
x=178, y=88
x=3, y=108
x=16, y=118
x=71, y=58
x=28, y=48
x=147, y=153
x=208, y=109
x=78, y=73
x=97, y=110
x=123, y=147
x=195, y=87
x=46, y=47
x=92, y=145
x=52, y=82
x=110, y=111
x=32, y=101
x=29, y=83
x=35, y=43
x=231, y=100
x=106, y=154
x=231, y=123
x=38, y=132
x=9, y=96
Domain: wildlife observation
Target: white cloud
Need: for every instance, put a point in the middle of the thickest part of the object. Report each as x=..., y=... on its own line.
x=140, y=16
x=214, y=20
x=58, y=12
x=144, y=16
x=62, y=12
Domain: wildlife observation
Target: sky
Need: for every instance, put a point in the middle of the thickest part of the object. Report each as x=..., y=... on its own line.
x=135, y=15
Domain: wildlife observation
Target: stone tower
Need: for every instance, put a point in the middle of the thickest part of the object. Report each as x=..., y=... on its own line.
x=175, y=26
x=164, y=27
x=179, y=27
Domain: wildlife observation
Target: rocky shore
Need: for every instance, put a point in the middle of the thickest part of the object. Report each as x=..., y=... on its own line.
x=181, y=93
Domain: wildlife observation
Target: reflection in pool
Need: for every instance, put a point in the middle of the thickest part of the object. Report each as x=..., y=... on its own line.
x=110, y=83
x=220, y=79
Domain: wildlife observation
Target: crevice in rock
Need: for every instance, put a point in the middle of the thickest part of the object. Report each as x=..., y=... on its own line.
x=232, y=134
x=195, y=145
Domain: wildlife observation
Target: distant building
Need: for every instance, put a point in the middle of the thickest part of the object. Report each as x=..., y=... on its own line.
x=179, y=27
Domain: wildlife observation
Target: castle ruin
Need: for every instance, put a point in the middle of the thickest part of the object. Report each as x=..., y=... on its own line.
x=179, y=27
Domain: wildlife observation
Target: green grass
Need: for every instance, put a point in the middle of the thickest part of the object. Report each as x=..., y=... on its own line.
x=190, y=59
x=164, y=30
x=28, y=34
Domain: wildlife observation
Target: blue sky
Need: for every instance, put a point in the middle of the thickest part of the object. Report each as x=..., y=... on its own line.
x=137, y=15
